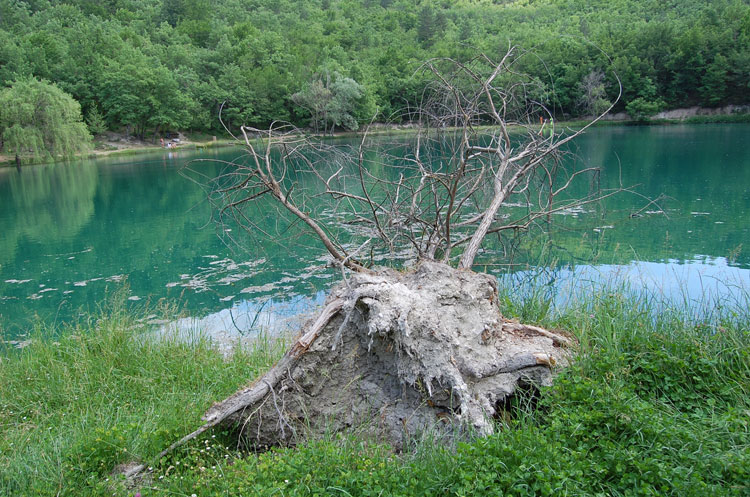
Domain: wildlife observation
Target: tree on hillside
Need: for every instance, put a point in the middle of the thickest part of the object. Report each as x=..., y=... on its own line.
x=144, y=96
x=641, y=109
x=714, y=81
x=593, y=100
x=331, y=100
x=39, y=120
x=315, y=98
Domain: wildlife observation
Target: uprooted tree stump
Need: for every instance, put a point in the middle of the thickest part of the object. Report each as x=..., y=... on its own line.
x=397, y=354
x=394, y=354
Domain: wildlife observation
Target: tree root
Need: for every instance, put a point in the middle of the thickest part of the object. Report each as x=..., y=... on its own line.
x=394, y=354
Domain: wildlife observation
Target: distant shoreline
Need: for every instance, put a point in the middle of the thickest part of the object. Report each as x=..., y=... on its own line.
x=116, y=144
x=119, y=145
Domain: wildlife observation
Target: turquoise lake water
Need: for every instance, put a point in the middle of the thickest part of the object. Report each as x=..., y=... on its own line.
x=72, y=234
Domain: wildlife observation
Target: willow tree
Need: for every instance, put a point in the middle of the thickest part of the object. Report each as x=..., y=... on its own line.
x=40, y=121
x=393, y=352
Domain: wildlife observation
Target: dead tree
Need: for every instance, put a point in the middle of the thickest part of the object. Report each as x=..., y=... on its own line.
x=484, y=141
x=400, y=353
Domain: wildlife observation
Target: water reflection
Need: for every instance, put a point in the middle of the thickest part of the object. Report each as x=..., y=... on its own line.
x=72, y=233
x=242, y=322
x=40, y=213
x=700, y=286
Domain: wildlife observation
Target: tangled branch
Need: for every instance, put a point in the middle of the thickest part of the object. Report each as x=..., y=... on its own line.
x=484, y=140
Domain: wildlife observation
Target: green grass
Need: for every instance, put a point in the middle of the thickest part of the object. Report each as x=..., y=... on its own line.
x=654, y=405
x=100, y=394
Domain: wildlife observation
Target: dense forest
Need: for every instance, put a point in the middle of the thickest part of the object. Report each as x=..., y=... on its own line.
x=149, y=66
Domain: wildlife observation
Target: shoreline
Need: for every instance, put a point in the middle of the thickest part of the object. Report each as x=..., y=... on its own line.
x=116, y=148
x=132, y=147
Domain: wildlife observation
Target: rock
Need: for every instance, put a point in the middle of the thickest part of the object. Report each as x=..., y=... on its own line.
x=685, y=113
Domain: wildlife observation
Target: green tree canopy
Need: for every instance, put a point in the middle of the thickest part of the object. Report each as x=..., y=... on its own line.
x=142, y=96
x=331, y=101
x=40, y=120
x=152, y=65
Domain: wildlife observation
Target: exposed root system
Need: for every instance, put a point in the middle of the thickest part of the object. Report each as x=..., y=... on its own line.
x=396, y=354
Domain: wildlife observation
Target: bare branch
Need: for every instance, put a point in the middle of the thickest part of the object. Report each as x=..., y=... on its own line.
x=485, y=139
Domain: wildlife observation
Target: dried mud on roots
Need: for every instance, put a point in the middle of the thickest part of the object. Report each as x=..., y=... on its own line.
x=397, y=354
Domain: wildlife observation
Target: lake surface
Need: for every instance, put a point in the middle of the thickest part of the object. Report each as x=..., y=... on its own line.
x=73, y=234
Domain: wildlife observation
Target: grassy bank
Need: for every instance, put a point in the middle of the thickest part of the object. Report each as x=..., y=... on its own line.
x=99, y=394
x=653, y=406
